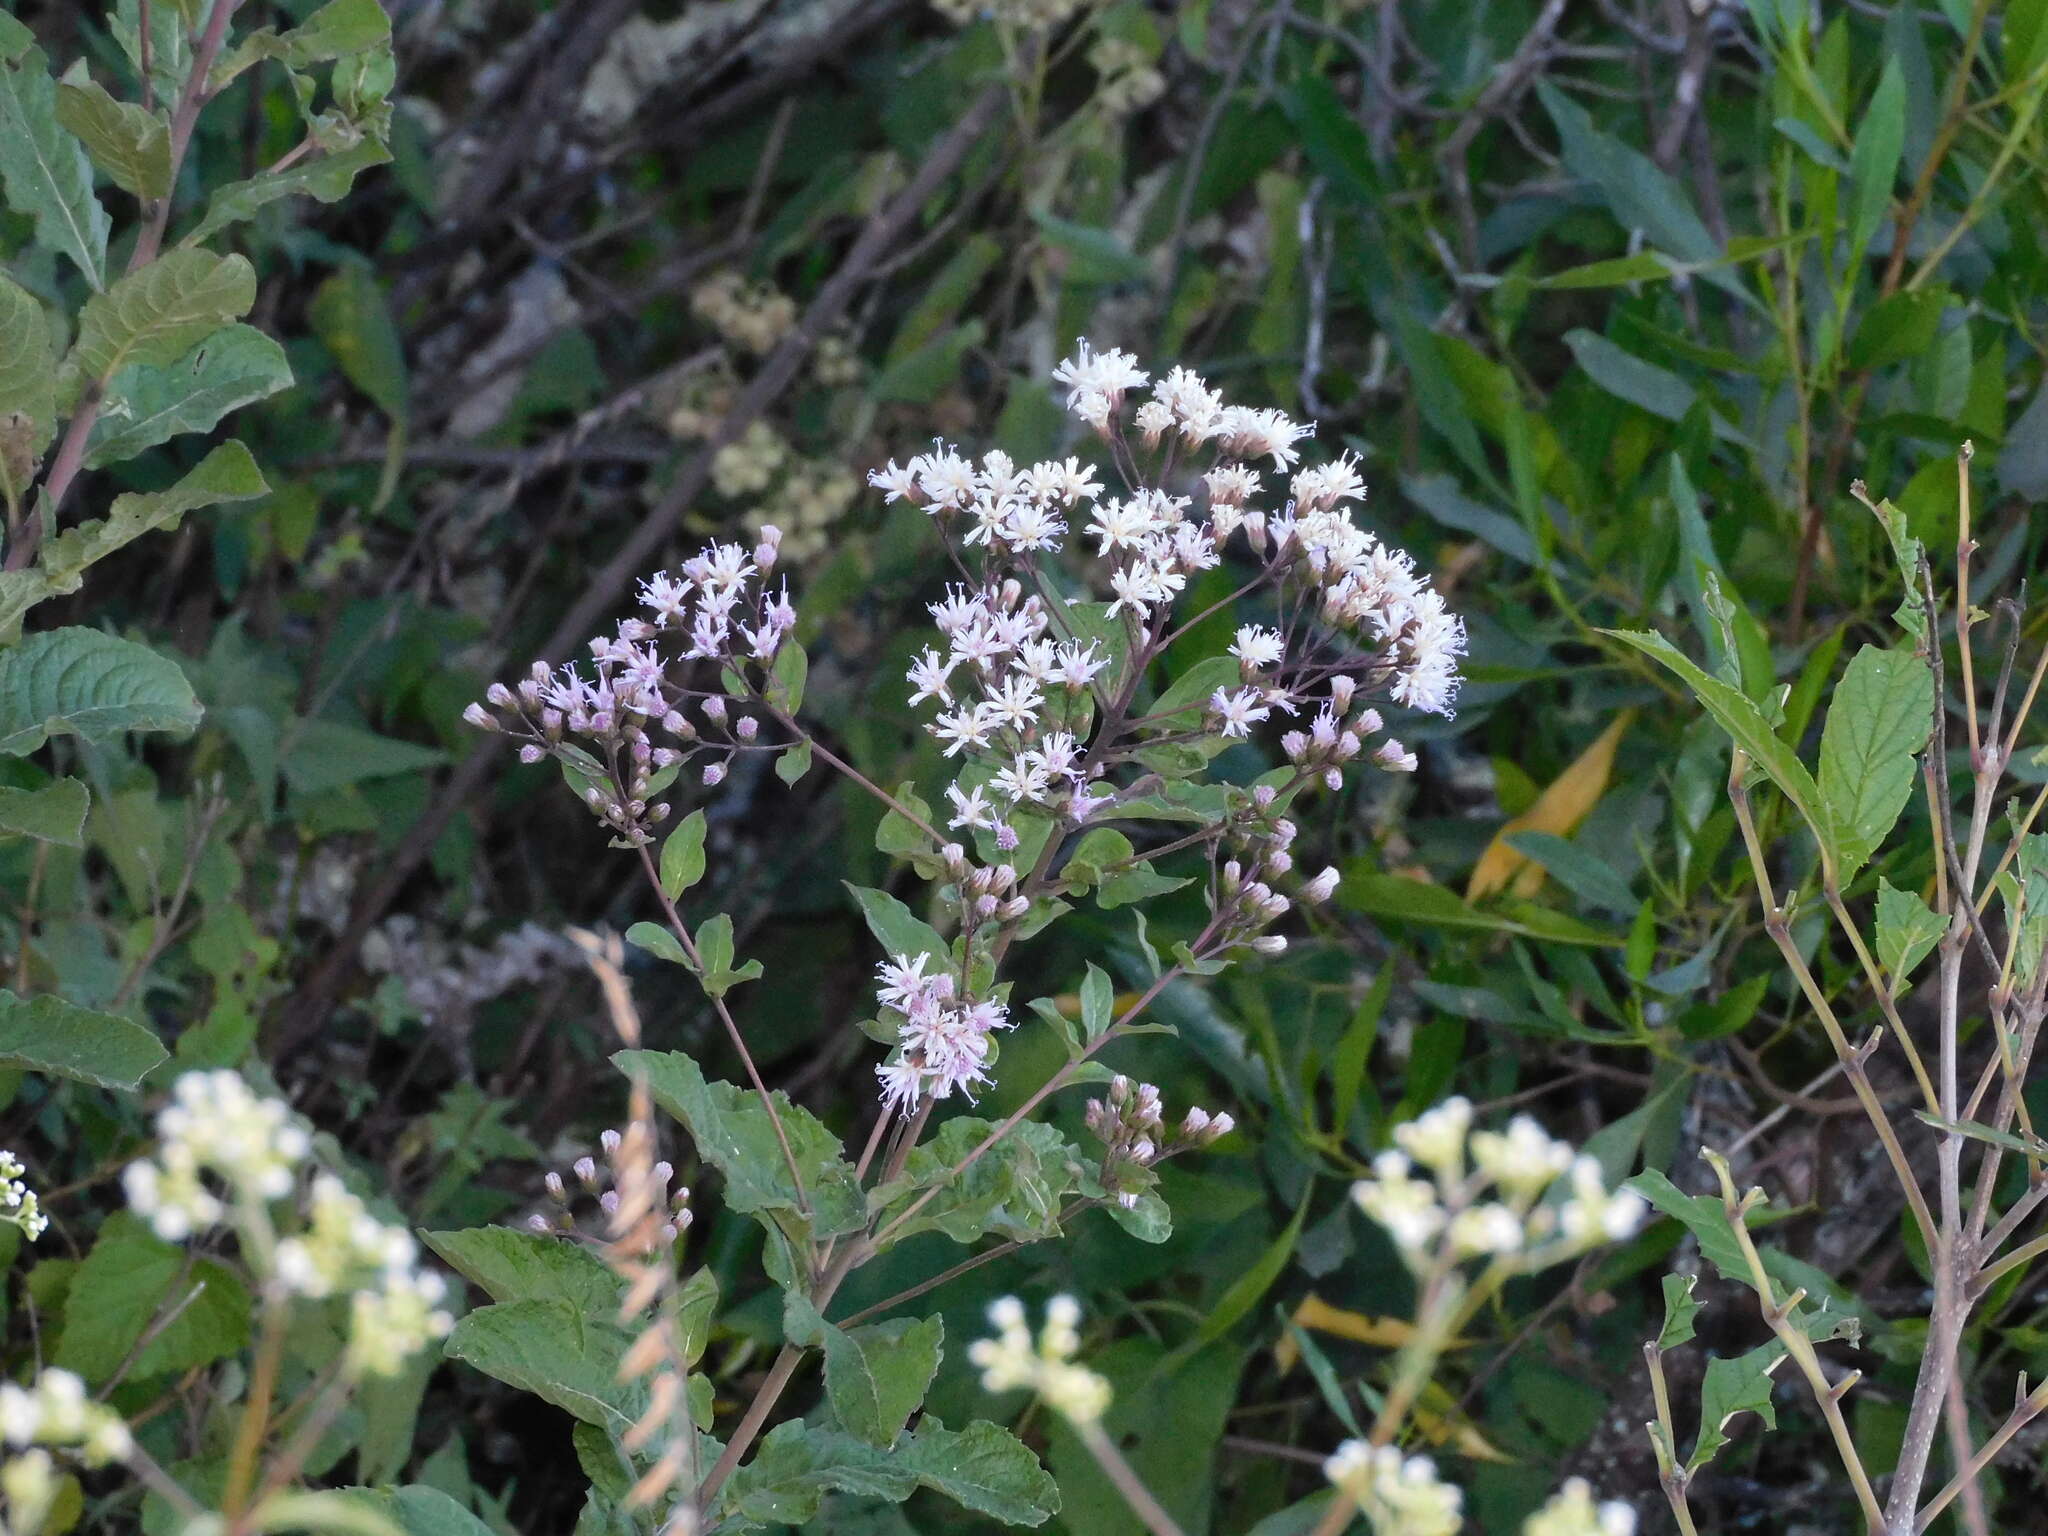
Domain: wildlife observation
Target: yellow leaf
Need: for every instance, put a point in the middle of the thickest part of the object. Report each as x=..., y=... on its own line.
x=1314, y=1312
x=1437, y=1415
x=1558, y=811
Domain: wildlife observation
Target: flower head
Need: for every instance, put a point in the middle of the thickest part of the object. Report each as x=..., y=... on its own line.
x=1013, y=1359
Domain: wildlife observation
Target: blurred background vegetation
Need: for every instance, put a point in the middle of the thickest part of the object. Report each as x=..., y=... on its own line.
x=1615, y=299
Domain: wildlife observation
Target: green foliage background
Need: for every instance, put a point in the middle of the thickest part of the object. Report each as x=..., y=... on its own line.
x=1614, y=301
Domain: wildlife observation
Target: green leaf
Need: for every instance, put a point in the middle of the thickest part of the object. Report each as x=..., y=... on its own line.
x=414, y=1510
x=1585, y=875
x=225, y=474
x=15, y=39
x=1639, y=194
x=1248, y=1288
x=45, y=170
x=1724, y=1015
x=83, y=683
x=875, y=1376
x=327, y=754
x=1897, y=328
x=1094, y=256
x=984, y=1468
x=231, y=368
x=336, y=30
x=1740, y=1385
x=556, y=1351
x=896, y=928
x=28, y=397
x=682, y=856
x=786, y=678
x=1402, y=899
x=1744, y=722
x=53, y=814
x=659, y=942
x=132, y=146
x=1015, y=1189
x=1704, y=1216
x=325, y=179
x=1874, y=162
x=1627, y=377
x=1907, y=928
x=1098, y=1002
x=733, y=1133
x=794, y=762
x=1881, y=716
x=528, y=1266
x=156, y=315
x=714, y=948
x=49, y=1035
x=350, y=316
x=1680, y=1308
x=128, y=1279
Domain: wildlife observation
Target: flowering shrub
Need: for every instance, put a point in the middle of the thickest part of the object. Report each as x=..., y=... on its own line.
x=1054, y=735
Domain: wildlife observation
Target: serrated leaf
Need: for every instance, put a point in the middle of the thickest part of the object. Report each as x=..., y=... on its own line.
x=557, y=1352
x=1907, y=928
x=49, y=1035
x=351, y=318
x=528, y=1266
x=1015, y=1189
x=876, y=1376
x=325, y=179
x=80, y=682
x=984, y=1468
x=132, y=146
x=45, y=170
x=1680, y=1308
x=234, y=367
x=53, y=814
x=154, y=316
x=682, y=856
x=1740, y=1385
x=733, y=1133
x=1880, y=717
x=119, y=1291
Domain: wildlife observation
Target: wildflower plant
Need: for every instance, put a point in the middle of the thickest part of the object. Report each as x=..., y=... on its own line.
x=1071, y=769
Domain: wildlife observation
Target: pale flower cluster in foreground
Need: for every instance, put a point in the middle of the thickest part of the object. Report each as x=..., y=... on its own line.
x=55, y=1412
x=226, y=1156
x=18, y=1204
x=1442, y=1216
x=1403, y=1496
x=1045, y=1365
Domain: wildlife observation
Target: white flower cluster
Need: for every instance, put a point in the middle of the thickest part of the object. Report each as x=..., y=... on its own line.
x=57, y=1412
x=1572, y=1512
x=1011, y=689
x=1443, y=1217
x=1399, y=1495
x=1131, y=1125
x=54, y=1413
x=942, y=1044
x=720, y=604
x=1013, y=1359
x=18, y=1204
x=1129, y=78
x=215, y=1126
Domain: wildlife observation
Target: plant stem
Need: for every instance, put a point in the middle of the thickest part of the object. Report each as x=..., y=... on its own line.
x=1148, y=1509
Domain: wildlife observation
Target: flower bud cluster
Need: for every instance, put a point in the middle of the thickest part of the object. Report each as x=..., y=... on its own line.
x=1547, y=1205
x=1131, y=1126
x=223, y=1153
x=1245, y=900
x=604, y=1182
x=1337, y=735
x=1130, y=82
x=1399, y=1495
x=18, y=1204
x=722, y=610
x=809, y=503
x=56, y=1413
x=753, y=316
x=1044, y=1365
